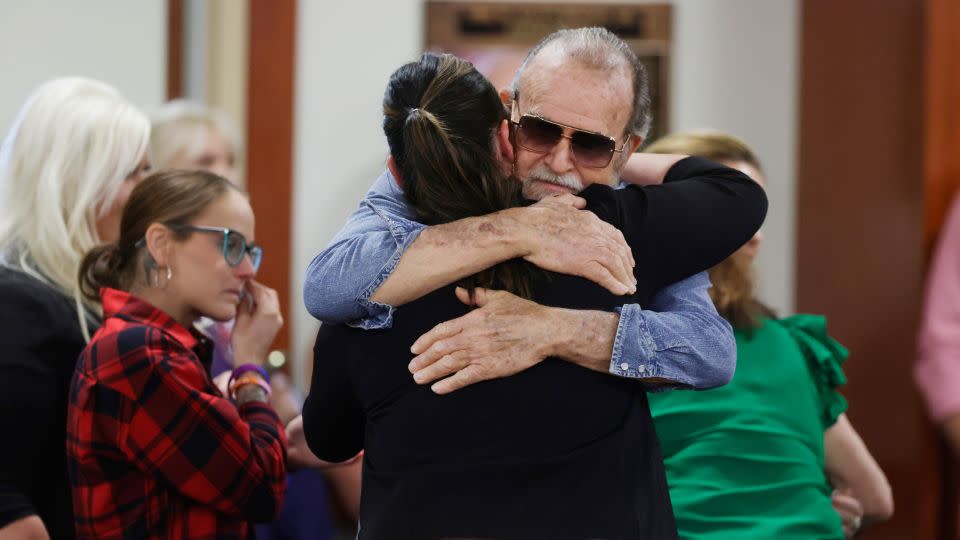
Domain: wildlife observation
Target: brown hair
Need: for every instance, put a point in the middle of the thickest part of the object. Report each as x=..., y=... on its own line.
x=734, y=279
x=440, y=116
x=170, y=197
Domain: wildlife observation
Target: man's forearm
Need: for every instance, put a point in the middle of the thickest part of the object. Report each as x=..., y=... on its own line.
x=445, y=253
x=584, y=337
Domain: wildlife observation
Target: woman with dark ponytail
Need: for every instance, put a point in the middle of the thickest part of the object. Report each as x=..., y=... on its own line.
x=155, y=449
x=553, y=451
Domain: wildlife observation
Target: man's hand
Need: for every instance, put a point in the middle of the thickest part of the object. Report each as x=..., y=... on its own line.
x=850, y=510
x=299, y=455
x=561, y=238
x=505, y=335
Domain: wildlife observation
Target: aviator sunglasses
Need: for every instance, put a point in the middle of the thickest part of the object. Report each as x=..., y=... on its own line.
x=589, y=148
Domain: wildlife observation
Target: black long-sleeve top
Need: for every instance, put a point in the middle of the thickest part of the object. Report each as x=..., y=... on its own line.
x=556, y=451
x=40, y=340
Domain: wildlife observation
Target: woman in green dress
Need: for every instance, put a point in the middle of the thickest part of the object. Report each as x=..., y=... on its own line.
x=772, y=454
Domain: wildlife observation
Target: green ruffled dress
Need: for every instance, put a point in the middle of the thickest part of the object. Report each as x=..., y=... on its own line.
x=745, y=461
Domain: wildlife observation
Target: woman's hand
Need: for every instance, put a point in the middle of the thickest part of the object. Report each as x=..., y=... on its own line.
x=299, y=455
x=256, y=326
x=850, y=510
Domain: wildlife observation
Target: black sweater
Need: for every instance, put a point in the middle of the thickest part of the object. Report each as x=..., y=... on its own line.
x=41, y=340
x=556, y=451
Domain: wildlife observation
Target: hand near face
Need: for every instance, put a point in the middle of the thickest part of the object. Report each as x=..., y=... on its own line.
x=504, y=336
x=257, y=324
x=562, y=238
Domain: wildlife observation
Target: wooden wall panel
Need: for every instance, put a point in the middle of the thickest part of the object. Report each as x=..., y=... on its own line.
x=941, y=156
x=174, y=49
x=270, y=141
x=860, y=254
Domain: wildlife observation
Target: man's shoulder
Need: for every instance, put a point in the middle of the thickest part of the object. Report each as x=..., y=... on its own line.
x=386, y=199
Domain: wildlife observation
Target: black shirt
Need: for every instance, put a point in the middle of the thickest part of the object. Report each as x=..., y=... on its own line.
x=40, y=338
x=556, y=451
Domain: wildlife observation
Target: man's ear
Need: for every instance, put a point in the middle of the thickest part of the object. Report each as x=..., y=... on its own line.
x=503, y=141
x=158, y=239
x=629, y=149
x=395, y=171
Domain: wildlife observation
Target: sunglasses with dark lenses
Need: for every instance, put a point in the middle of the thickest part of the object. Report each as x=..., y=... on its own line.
x=234, y=245
x=589, y=149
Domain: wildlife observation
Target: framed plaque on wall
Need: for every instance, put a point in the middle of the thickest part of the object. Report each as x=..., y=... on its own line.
x=496, y=36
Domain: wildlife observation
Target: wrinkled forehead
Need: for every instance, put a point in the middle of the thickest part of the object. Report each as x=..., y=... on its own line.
x=563, y=89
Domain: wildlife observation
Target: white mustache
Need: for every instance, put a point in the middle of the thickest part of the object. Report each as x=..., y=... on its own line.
x=543, y=174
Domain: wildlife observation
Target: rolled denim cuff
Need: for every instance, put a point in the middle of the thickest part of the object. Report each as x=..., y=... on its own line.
x=380, y=315
x=634, y=348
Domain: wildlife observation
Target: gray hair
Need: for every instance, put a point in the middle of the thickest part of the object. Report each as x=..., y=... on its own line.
x=598, y=48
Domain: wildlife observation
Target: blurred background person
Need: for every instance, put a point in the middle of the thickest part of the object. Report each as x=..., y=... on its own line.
x=188, y=135
x=772, y=454
x=937, y=368
x=67, y=166
x=155, y=449
x=191, y=136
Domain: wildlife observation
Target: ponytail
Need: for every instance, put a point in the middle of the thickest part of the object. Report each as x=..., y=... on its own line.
x=101, y=267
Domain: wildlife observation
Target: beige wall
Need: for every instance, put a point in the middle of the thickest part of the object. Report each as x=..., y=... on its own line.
x=117, y=41
x=734, y=68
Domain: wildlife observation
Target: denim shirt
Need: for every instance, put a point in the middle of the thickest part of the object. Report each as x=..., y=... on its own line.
x=680, y=337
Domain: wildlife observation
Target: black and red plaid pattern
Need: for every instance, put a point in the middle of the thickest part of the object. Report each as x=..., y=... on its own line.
x=154, y=449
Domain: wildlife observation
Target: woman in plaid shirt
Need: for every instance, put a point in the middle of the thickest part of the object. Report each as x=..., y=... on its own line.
x=155, y=449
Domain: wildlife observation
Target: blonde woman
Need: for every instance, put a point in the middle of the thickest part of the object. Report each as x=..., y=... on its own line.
x=67, y=166
x=188, y=135
x=772, y=454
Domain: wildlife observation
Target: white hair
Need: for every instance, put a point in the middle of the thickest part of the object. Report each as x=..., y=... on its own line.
x=600, y=49
x=62, y=164
x=180, y=130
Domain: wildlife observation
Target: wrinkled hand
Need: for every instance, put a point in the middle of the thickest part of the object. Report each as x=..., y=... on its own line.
x=505, y=335
x=562, y=238
x=256, y=325
x=850, y=510
x=299, y=455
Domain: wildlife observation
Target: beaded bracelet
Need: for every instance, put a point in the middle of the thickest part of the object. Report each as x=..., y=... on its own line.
x=248, y=379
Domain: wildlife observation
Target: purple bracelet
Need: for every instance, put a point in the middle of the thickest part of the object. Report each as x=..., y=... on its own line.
x=240, y=370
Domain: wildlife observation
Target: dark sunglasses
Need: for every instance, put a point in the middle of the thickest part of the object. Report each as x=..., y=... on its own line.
x=589, y=149
x=234, y=246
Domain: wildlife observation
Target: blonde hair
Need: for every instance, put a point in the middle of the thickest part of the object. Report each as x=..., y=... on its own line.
x=734, y=279
x=62, y=164
x=180, y=130
x=707, y=143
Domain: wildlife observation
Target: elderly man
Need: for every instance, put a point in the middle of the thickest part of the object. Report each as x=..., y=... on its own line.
x=572, y=85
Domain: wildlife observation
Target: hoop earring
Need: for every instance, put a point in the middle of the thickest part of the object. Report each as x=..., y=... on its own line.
x=156, y=278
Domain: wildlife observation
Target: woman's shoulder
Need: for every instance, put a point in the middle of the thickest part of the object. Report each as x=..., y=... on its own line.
x=31, y=303
x=38, y=327
x=825, y=357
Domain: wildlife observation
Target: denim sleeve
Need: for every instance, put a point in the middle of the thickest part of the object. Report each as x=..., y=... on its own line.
x=341, y=279
x=681, y=338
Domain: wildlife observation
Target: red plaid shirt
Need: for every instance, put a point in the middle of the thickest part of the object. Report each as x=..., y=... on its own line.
x=154, y=449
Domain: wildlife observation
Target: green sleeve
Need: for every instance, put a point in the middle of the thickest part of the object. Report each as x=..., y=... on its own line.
x=824, y=356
